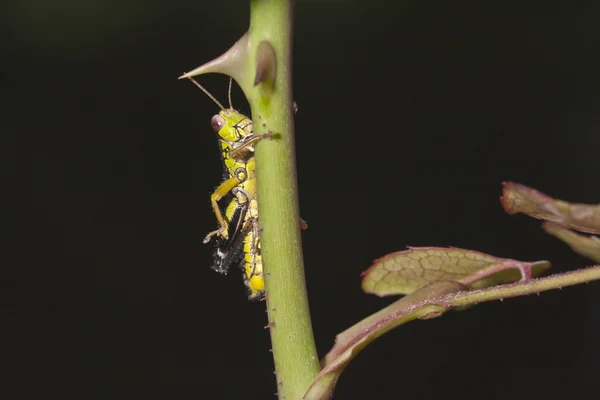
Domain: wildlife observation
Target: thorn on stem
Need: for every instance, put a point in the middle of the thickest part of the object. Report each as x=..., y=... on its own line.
x=303, y=223
x=270, y=325
x=231, y=63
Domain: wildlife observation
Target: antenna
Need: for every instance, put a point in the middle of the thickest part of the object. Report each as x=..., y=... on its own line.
x=229, y=93
x=207, y=93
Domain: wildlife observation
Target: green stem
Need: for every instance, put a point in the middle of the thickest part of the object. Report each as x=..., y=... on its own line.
x=294, y=351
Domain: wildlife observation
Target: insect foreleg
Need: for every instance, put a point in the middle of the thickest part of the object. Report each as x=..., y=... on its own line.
x=237, y=151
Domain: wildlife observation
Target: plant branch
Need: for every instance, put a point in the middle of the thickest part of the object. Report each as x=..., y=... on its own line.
x=533, y=286
x=294, y=351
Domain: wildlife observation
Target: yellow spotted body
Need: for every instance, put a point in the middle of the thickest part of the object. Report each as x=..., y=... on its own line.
x=238, y=234
x=253, y=270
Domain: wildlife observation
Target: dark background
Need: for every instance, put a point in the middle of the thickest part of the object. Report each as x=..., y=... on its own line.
x=411, y=114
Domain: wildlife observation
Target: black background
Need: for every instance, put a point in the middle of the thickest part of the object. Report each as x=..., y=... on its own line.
x=411, y=114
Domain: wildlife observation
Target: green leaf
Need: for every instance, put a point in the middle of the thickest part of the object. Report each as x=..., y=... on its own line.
x=404, y=272
x=517, y=198
x=587, y=246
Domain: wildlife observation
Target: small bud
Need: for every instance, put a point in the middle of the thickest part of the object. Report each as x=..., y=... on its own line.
x=266, y=64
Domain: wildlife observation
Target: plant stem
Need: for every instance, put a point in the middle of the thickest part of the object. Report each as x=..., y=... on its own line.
x=534, y=286
x=294, y=351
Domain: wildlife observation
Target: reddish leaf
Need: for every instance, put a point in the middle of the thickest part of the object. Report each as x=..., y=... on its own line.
x=519, y=198
x=428, y=302
x=420, y=304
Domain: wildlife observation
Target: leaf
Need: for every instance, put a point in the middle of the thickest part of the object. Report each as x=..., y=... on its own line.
x=517, y=198
x=428, y=302
x=404, y=272
x=587, y=246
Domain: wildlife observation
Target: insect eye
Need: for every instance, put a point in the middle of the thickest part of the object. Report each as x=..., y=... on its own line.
x=217, y=123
